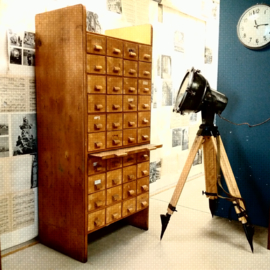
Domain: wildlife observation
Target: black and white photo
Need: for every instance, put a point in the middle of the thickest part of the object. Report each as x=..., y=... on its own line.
x=4, y=147
x=34, y=177
x=115, y=6
x=166, y=67
x=167, y=93
x=193, y=118
x=208, y=55
x=29, y=40
x=28, y=57
x=4, y=125
x=155, y=171
x=15, y=56
x=176, y=137
x=198, y=158
x=185, y=139
x=92, y=22
x=15, y=38
x=179, y=41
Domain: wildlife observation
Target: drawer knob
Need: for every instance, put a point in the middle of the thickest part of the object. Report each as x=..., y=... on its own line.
x=132, y=71
x=130, y=209
x=98, y=48
x=132, y=54
x=98, y=87
x=146, y=56
x=131, y=123
x=98, y=168
x=131, y=106
x=145, y=121
x=131, y=192
x=116, y=124
x=98, y=67
x=116, y=107
x=131, y=177
x=97, y=222
x=116, y=51
x=98, y=186
x=131, y=139
x=145, y=188
x=115, y=216
x=115, y=197
x=116, y=88
x=145, y=106
x=144, y=203
x=116, y=69
x=98, y=203
x=115, y=181
x=145, y=89
x=99, y=106
x=146, y=73
x=98, y=144
x=145, y=156
x=98, y=126
x=145, y=137
x=131, y=89
x=145, y=172
x=116, y=142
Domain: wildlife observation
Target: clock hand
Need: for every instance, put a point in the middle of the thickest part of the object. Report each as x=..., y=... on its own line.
x=257, y=25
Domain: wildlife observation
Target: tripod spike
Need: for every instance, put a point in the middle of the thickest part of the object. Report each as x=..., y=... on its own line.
x=212, y=206
x=164, y=223
x=249, y=231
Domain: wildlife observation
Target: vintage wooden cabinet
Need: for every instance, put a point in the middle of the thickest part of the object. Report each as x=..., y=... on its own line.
x=93, y=117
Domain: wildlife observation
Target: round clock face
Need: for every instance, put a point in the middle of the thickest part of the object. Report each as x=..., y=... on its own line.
x=253, y=28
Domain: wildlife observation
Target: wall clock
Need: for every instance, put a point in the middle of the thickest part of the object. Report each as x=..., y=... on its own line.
x=253, y=28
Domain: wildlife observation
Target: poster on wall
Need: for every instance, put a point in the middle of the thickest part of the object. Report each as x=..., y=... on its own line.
x=114, y=6
x=92, y=22
x=179, y=40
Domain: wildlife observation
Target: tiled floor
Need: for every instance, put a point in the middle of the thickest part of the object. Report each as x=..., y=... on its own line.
x=193, y=240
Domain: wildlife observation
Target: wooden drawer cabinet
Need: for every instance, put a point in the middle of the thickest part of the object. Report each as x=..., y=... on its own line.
x=96, y=141
x=129, y=173
x=130, y=50
x=143, y=135
x=96, y=103
x=114, y=195
x=96, y=165
x=130, y=120
x=96, y=64
x=113, y=213
x=142, y=169
x=129, y=207
x=114, y=121
x=96, y=44
x=96, y=123
x=114, y=47
x=144, y=119
x=114, y=178
x=144, y=87
x=96, y=200
x=114, y=163
x=143, y=156
x=130, y=68
x=145, y=53
x=129, y=137
x=129, y=190
x=114, y=66
x=114, y=103
x=96, y=84
x=145, y=70
x=114, y=139
x=96, y=220
x=114, y=85
x=96, y=183
x=142, y=185
x=130, y=86
x=144, y=103
x=129, y=103
x=142, y=201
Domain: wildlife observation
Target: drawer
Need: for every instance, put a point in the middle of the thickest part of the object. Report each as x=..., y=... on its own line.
x=130, y=68
x=144, y=119
x=96, y=141
x=113, y=213
x=114, y=47
x=143, y=135
x=129, y=190
x=114, y=121
x=130, y=120
x=142, y=169
x=144, y=103
x=96, y=44
x=96, y=103
x=114, y=163
x=96, y=64
x=114, y=66
x=96, y=200
x=129, y=173
x=145, y=53
x=130, y=103
x=96, y=123
x=142, y=201
x=114, y=139
x=128, y=207
x=96, y=84
x=144, y=87
x=131, y=50
x=142, y=185
x=114, y=195
x=114, y=178
x=114, y=85
x=114, y=103
x=96, y=165
x=96, y=220
x=129, y=160
x=130, y=86
x=143, y=156
x=96, y=183
x=145, y=70
x=129, y=137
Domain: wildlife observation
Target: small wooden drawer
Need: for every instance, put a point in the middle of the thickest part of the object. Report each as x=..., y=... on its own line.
x=96, y=141
x=96, y=64
x=114, y=139
x=130, y=68
x=96, y=165
x=114, y=85
x=144, y=119
x=114, y=121
x=129, y=207
x=142, y=201
x=131, y=50
x=96, y=183
x=114, y=178
x=129, y=173
x=130, y=86
x=130, y=103
x=114, y=195
x=145, y=53
x=96, y=220
x=114, y=47
x=96, y=200
x=114, y=163
x=114, y=103
x=129, y=190
x=143, y=156
x=143, y=135
x=113, y=213
x=144, y=87
x=129, y=136
x=130, y=120
x=114, y=66
x=96, y=123
x=96, y=103
x=129, y=160
x=144, y=103
x=96, y=44
x=142, y=185
x=96, y=84
x=145, y=70
x=142, y=169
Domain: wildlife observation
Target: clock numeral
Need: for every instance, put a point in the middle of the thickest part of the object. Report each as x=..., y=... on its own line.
x=264, y=37
x=245, y=35
x=257, y=40
x=250, y=39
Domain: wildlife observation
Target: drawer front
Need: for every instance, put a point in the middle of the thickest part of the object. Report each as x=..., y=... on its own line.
x=130, y=120
x=96, y=200
x=129, y=160
x=96, y=44
x=114, y=121
x=114, y=139
x=96, y=220
x=113, y=213
x=96, y=84
x=114, y=66
x=144, y=87
x=114, y=195
x=114, y=47
x=114, y=85
x=129, y=136
x=128, y=207
x=114, y=178
x=131, y=50
x=144, y=103
x=96, y=141
x=142, y=185
x=142, y=169
x=96, y=64
x=130, y=68
x=96, y=103
x=114, y=163
x=96, y=183
x=96, y=165
x=145, y=70
x=130, y=103
x=129, y=173
x=130, y=86
x=143, y=156
x=144, y=119
x=145, y=53
x=143, y=135
x=142, y=201
x=114, y=103
x=129, y=190
x=96, y=123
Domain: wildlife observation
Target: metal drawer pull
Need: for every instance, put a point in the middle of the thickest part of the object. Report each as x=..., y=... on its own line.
x=145, y=188
x=131, y=192
x=145, y=172
x=97, y=222
x=131, y=177
x=131, y=123
x=145, y=121
x=131, y=89
x=130, y=209
x=146, y=73
x=98, y=87
x=146, y=90
x=98, y=126
x=132, y=54
x=116, y=125
x=98, y=203
x=145, y=137
x=144, y=203
x=99, y=106
x=116, y=88
x=116, y=69
x=98, y=144
x=131, y=139
x=115, y=197
x=132, y=71
x=145, y=106
x=115, y=216
x=116, y=51
x=116, y=141
x=146, y=56
x=131, y=106
x=98, y=67
x=98, y=47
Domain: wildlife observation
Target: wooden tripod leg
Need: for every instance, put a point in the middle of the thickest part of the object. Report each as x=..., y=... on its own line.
x=183, y=177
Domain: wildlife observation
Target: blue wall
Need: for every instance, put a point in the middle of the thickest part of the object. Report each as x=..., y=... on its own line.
x=244, y=77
